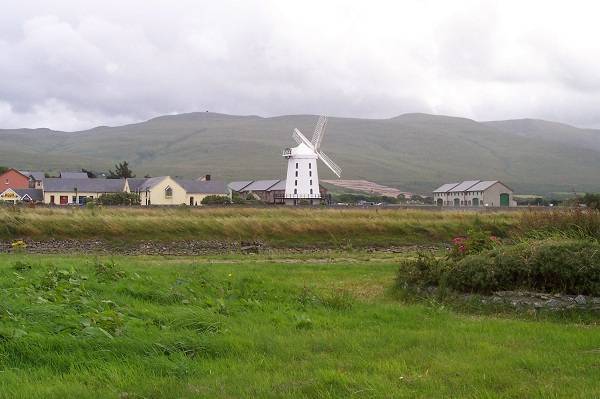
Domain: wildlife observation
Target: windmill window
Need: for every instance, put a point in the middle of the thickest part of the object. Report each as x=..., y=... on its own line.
x=296, y=173
x=168, y=192
x=295, y=191
x=311, y=182
x=295, y=182
x=310, y=173
x=309, y=165
x=296, y=165
x=311, y=191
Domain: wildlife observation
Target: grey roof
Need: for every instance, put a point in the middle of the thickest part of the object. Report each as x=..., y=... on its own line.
x=73, y=175
x=445, y=188
x=464, y=186
x=151, y=182
x=84, y=185
x=36, y=175
x=203, y=187
x=239, y=185
x=260, y=185
x=483, y=185
x=136, y=183
x=278, y=186
x=34, y=194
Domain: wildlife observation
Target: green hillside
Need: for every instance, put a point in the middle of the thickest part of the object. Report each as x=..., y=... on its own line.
x=412, y=151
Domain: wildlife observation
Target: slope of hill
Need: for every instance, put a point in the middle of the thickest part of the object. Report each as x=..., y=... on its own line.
x=413, y=151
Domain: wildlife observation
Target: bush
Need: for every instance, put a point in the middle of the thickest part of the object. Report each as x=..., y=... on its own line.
x=215, y=200
x=119, y=199
x=568, y=267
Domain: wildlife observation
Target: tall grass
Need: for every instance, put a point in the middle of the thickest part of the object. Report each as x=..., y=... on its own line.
x=563, y=223
x=282, y=226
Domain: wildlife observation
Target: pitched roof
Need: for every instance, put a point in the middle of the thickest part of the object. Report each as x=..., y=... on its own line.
x=36, y=175
x=73, y=175
x=136, y=183
x=84, y=185
x=445, y=188
x=203, y=187
x=239, y=185
x=483, y=185
x=261, y=185
x=151, y=182
x=464, y=186
x=33, y=193
x=279, y=186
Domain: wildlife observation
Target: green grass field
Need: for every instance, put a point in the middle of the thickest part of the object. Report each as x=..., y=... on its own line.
x=314, y=326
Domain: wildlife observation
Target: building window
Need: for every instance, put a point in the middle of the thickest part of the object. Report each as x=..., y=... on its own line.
x=168, y=192
x=74, y=199
x=52, y=199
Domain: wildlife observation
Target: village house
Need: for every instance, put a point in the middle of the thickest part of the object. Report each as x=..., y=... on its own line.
x=64, y=191
x=165, y=190
x=474, y=193
x=13, y=178
x=16, y=195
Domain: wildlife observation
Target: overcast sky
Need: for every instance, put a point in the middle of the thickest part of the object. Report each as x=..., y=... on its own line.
x=76, y=64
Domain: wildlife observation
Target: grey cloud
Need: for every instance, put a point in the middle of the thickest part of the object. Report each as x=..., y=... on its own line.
x=70, y=65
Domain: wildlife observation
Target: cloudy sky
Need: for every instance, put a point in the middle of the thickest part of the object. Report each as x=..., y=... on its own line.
x=77, y=64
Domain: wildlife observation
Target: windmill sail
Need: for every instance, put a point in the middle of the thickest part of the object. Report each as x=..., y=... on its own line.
x=330, y=164
x=319, y=131
x=301, y=139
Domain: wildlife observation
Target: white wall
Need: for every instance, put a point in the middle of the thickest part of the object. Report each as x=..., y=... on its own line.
x=306, y=172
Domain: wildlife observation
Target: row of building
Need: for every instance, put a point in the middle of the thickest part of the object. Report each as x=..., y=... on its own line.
x=76, y=188
x=474, y=193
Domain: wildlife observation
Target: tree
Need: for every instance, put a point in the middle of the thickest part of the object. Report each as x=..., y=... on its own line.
x=592, y=201
x=3, y=169
x=121, y=171
x=90, y=174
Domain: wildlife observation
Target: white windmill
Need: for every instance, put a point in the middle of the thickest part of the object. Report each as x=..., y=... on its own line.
x=302, y=181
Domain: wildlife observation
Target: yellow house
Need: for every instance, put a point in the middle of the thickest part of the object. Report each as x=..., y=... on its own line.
x=77, y=191
x=165, y=190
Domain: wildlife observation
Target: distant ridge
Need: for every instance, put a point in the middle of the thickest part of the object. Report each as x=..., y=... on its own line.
x=415, y=152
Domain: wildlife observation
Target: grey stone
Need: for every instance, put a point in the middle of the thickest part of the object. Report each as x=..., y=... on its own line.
x=580, y=300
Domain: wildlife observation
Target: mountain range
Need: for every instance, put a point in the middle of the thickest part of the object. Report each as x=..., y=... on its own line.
x=414, y=152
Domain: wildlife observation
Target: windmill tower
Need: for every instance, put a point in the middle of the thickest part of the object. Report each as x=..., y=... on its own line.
x=302, y=181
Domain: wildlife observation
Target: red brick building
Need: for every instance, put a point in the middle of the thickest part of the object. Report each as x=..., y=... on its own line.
x=12, y=178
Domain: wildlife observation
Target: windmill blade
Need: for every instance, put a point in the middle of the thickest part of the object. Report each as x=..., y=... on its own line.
x=330, y=164
x=300, y=139
x=319, y=131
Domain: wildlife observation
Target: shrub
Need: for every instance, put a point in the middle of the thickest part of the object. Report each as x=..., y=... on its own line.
x=119, y=199
x=567, y=266
x=215, y=200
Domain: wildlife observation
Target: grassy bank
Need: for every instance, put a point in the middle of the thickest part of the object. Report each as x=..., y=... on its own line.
x=264, y=327
x=276, y=226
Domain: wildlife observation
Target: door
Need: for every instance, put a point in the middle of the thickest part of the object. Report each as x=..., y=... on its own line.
x=456, y=202
x=475, y=201
x=440, y=202
x=191, y=201
x=504, y=199
x=64, y=199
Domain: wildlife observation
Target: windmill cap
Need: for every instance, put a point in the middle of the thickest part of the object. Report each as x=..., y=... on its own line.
x=303, y=150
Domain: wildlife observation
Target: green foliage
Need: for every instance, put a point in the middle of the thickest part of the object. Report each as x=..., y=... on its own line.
x=119, y=199
x=564, y=223
x=215, y=200
x=3, y=169
x=108, y=271
x=121, y=171
x=592, y=201
x=568, y=267
x=175, y=327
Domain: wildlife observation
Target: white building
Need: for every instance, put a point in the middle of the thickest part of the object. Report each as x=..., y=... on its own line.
x=474, y=193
